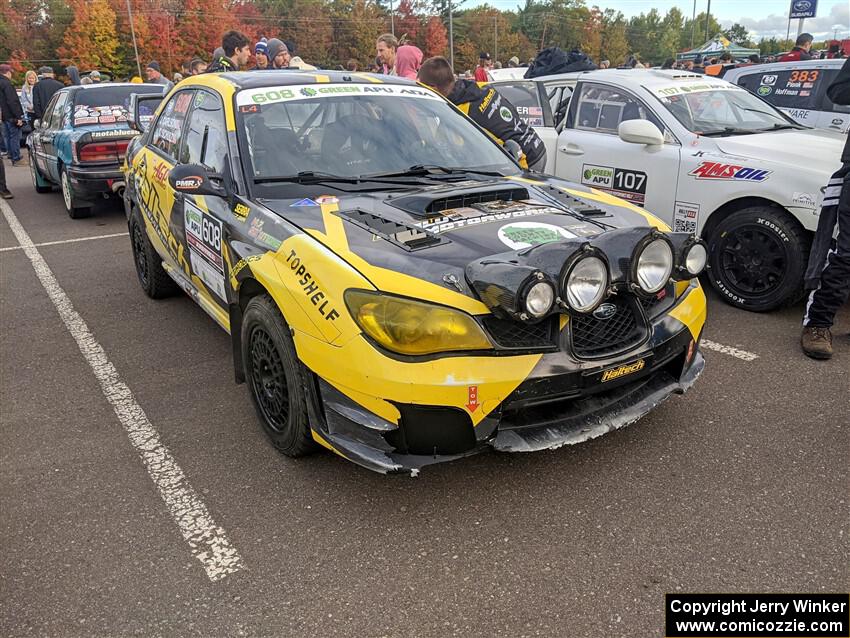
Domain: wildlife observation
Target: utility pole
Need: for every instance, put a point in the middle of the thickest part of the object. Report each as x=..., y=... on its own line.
x=133, y=33
x=495, y=38
x=694, y=24
x=707, y=19
x=392, y=18
x=451, y=37
x=800, y=27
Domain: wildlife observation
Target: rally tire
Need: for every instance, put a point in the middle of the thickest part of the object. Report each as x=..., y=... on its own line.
x=38, y=182
x=152, y=276
x=757, y=259
x=276, y=379
x=72, y=203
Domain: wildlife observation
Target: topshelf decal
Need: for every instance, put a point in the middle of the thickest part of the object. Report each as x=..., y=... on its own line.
x=271, y=95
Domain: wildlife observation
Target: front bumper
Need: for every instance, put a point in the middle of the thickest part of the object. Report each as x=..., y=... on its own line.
x=91, y=182
x=556, y=404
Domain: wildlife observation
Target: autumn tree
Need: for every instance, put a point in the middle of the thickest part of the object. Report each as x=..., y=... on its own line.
x=408, y=22
x=615, y=42
x=91, y=41
x=436, y=40
x=591, y=41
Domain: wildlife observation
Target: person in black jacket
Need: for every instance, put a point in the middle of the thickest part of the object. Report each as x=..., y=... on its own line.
x=43, y=91
x=829, y=267
x=487, y=108
x=237, y=52
x=13, y=114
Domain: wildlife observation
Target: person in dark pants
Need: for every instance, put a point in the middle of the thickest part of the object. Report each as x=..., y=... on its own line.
x=4, y=190
x=829, y=267
x=13, y=114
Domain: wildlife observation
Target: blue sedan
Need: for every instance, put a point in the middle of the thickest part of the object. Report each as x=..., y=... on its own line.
x=80, y=143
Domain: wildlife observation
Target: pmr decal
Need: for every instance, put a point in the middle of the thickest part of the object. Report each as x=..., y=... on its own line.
x=192, y=183
x=519, y=235
x=720, y=171
x=623, y=370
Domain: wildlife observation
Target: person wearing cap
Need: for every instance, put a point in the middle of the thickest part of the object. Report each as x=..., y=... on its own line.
x=386, y=48
x=43, y=91
x=237, y=52
x=801, y=50
x=513, y=63
x=155, y=76
x=261, y=57
x=481, y=69
x=278, y=53
x=94, y=76
x=13, y=114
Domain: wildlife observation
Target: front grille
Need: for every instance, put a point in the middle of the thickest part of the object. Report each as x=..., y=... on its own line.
x=593, y=338
x=508, y=333
x=655, y=305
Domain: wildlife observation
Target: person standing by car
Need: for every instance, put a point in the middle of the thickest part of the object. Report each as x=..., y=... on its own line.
x=487, y=108
x=26, y=95
x=408, y=59
x=43, y=91
x=386, y=48
x=801, y=50
x=5, y=193
x=155, y=76
x=829, y=268
x=261, y=57
x=13, y=114
x=278, y=54
x=237, y=52
x=481, y=69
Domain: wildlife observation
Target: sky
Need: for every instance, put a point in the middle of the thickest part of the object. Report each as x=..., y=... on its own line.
x=763, y=18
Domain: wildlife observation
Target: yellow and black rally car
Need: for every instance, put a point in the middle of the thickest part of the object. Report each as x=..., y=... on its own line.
x=396, y=288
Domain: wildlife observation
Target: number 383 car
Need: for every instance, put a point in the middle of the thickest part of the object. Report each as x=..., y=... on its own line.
x=395, y=287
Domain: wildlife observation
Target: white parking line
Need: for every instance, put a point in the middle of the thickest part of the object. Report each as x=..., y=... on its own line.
x=733, y=352
x=207, y=541
x=66, y=241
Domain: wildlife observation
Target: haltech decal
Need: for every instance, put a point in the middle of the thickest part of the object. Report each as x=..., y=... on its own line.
x=622, y=371
x=718, y=170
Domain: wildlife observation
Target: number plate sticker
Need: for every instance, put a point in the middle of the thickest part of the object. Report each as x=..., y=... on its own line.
x=204, y=237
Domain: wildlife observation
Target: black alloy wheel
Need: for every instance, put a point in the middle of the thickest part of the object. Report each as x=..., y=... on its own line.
x=156, y=283
x=268, y=380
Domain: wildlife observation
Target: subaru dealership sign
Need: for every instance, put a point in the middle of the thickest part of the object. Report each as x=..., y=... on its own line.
x=803, y=9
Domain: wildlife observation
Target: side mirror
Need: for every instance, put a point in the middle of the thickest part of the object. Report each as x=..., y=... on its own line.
x=194, y=179
x=513, y=149
x=640, y=132
x=141, y=109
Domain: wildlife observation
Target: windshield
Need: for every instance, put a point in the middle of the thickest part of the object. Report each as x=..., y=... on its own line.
x=720, y=110
x=106, y=105
x=355, y=130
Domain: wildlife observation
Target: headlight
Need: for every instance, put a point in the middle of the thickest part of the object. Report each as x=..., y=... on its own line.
x=539, y=299
x=586, y=283
x=413, y=327
x=694, y=257
x=654, y=265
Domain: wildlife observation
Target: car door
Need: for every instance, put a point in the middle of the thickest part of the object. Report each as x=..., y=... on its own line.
x=157, y=200
x=49, y=134
x=37, y=143
x=204, y=219
x=591, y=152
x=533, y=108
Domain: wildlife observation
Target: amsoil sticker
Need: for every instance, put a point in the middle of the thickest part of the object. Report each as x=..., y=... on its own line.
x=204, y=237
x=685, y=217
x=621, y=182
x=721, y=171
x=519, y=235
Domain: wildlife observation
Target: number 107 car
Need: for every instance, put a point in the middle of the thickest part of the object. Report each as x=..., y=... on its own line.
x=395, y=287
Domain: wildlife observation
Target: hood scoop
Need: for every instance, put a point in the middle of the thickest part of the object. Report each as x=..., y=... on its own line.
x=404, y=236
x=427, y=203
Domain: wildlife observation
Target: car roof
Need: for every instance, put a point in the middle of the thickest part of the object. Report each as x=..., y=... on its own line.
x=785, y=66
x=644, y=77
x=287, y=77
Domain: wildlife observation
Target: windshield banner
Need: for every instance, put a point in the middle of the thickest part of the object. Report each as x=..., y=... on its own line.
x=683, y=89
x=274, y=94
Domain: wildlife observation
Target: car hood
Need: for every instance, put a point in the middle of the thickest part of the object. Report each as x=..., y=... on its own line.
x=435, y=231
x=804, y=150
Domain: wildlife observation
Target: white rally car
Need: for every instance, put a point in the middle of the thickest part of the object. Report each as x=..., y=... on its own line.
x=703, y=154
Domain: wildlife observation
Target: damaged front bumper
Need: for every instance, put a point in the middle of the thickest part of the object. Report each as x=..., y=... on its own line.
x=436, y=434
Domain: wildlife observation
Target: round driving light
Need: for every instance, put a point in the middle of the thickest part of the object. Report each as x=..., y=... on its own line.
x=586, y=284
x=654, y=265
x=539, y=299
x=695, y=259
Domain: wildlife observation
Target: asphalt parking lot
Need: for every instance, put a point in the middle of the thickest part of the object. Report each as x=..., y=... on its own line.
x=740, y=485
